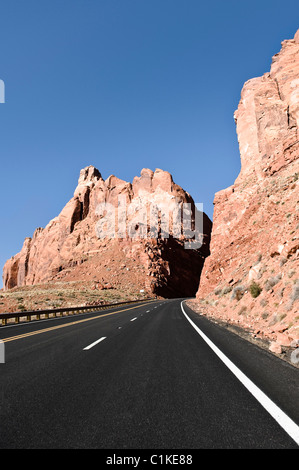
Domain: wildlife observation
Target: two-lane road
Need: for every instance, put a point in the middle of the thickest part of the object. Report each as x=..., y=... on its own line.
x=140, y=377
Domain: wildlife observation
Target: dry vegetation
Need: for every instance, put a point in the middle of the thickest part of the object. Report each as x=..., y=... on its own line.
x=62, y=294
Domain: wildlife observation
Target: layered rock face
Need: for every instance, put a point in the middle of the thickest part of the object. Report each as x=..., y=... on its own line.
x=104, y=234
x=251, y=277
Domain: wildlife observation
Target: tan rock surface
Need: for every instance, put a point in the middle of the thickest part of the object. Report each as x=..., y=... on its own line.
x=251, y=277
x=69, y=248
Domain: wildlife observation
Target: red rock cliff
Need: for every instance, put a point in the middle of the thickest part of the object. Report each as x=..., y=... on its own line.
x=251, y=277
x=69, y=247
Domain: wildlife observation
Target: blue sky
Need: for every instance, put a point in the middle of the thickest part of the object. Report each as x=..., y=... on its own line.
x=123, y=85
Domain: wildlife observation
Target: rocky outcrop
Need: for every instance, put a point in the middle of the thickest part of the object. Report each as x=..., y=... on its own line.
x=251, y=277
x=83, y=243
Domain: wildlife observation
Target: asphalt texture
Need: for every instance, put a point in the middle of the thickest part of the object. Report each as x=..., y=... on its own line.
x=151, y=383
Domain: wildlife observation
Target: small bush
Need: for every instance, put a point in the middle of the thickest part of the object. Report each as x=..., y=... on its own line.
x=218, y=291
x=264, y=302
x=278, y=317
x=294, y=295
x=272, y=282
x=226, y=290
x=255, y=290
x=243, y=310
x=238, y=293
x=259, y=258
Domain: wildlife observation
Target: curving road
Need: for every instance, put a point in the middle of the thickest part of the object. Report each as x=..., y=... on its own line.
x=151, y=376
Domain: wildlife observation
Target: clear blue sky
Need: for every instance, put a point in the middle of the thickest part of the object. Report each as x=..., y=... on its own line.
x=123, y=85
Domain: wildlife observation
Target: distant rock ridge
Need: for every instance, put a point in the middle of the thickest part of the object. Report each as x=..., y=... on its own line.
x=251, y=277
x=69, y=247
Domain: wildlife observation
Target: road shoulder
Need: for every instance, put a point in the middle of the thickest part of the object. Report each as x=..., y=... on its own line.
x=276, y=377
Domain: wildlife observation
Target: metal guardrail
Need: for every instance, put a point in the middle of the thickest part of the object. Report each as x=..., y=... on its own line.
x=60, y=312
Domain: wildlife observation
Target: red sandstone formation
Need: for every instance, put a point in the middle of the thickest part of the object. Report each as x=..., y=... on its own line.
x=69, y=247
x=251, y=277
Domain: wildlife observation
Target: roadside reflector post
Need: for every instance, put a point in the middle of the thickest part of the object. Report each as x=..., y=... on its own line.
x=2, y=352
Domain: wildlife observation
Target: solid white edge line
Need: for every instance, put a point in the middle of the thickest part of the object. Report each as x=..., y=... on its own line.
x=290, y=427
x=94, y=344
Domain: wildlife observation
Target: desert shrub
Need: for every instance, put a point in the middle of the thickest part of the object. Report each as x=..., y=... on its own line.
x=242, y=310
x=259, y=259
x=255, y=289
x=238, y=293
x=278, y=317
x=281, y=292
x=226, y=290
x=222, y=291
x=217, y=291
x=271, y=282
x=264, y=302
x=294, y=295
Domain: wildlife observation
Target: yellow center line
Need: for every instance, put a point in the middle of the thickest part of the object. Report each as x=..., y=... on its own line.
x=45, y=330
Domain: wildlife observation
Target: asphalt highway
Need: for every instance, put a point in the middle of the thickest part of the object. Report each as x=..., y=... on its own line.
x=151, y=376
